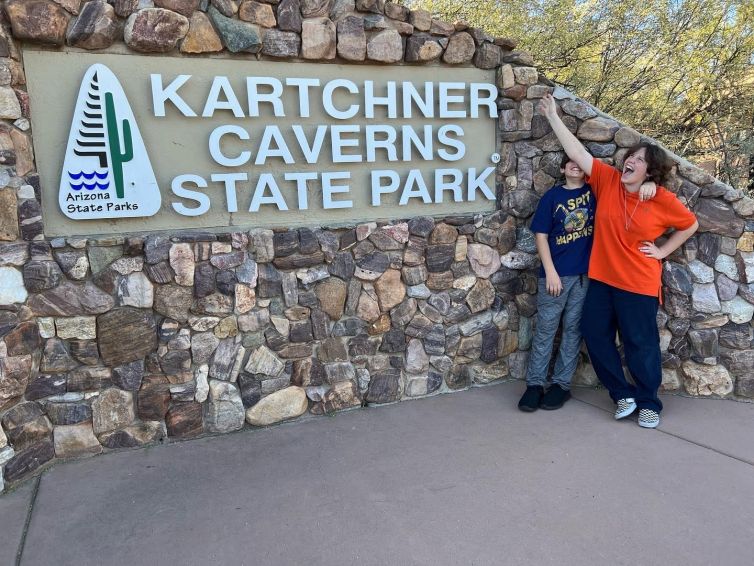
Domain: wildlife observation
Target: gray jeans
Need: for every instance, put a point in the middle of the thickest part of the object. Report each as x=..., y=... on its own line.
x=549, y=311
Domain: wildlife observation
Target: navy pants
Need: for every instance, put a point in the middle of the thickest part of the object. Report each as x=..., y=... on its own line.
x=607, y=309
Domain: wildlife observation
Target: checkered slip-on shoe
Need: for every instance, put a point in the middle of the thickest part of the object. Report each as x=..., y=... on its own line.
x=649, y=418
x=625, y=407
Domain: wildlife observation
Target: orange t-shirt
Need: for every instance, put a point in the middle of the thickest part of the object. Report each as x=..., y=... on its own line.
x=616, y=258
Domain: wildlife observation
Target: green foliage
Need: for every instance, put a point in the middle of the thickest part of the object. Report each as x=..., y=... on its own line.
x=680, y=71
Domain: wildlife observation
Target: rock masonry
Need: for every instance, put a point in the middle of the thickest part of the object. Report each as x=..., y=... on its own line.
x=117, y=342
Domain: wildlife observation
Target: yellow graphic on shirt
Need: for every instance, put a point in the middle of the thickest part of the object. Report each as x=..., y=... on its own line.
x=574, y=224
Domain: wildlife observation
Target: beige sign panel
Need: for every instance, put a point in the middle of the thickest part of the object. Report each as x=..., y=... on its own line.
x=128, y=143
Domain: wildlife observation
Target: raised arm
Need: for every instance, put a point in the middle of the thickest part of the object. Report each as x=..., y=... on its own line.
x=572, y=146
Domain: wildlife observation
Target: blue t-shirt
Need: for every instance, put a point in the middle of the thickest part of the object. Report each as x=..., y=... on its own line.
x=567, y=217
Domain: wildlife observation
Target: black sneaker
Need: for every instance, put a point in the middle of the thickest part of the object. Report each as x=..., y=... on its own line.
x=531, y=398
x=555, y=397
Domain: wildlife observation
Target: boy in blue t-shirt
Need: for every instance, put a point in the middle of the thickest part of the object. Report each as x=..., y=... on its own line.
x=563, y=226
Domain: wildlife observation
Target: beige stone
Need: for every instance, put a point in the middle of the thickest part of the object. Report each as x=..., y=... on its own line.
x=526, y=75
x=245, y=298
x=462, y=246
x=420, y=19
x=332, y=293
x=281, y=405
x=318, y=39
x=81, y=327
x=8, y=214
x=257, y=13
x=24, y=152
x=507, y=78
x=227, y=327
x=75, y=440
x=112, y=409
x=182, y=262
x=368, y=308
x=484, y=260
x=670, y=380
x=598, y=129
x=385, y=47
x=201, y=37
x=701, y=379
x=390, y=289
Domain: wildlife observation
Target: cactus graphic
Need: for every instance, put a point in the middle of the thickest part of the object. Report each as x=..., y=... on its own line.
x=118, y=155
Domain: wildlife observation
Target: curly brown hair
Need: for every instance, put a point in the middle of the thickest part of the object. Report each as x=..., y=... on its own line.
x=659, y=164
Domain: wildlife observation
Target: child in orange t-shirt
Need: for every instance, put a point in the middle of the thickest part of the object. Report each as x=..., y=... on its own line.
x=625, y=268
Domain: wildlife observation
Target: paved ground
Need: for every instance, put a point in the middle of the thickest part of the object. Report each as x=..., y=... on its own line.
x=457, y=479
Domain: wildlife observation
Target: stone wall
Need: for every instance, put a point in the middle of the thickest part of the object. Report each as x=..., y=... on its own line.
x=116, y=342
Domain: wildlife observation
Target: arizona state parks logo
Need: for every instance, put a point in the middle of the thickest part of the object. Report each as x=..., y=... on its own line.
x=106, y=172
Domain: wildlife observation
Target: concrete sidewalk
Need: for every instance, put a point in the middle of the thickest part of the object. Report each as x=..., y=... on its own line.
x=452, y=480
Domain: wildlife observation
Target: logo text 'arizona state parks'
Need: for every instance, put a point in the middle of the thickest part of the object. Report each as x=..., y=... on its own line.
x=106, y=172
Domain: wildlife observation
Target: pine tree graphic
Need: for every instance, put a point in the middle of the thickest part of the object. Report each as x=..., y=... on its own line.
x=90, y=141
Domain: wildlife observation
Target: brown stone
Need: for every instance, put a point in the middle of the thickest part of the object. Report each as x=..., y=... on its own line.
x=68, y=299
x=385, y=47
x=318, y=39
x=134, y=435
x=278, y=43
x=173, y=301
x=342, y=395
x=384, y=386
x=289, y=15
x=153, y=399
x=257, y=13
x=138, y=325
x=718, y=217
x=443, y=234
x=184, y=7
x=315, y=8
x=487, y=56
x=460, y=49
x=184, y=420
x=14, y=375
x=24, y=463
x=332, y=293
x=201, y=38
x=155, y=30
x=37, y=20
x=95, y=28
x=481, y=296
x=125, y=8
x=23, y=339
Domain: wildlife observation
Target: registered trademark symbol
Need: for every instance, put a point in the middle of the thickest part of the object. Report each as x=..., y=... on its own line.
x=495, y=158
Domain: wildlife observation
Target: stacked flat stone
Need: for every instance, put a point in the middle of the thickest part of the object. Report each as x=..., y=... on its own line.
x=116, y=342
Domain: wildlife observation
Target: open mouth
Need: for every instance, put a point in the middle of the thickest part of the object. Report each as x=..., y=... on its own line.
x=628, y=169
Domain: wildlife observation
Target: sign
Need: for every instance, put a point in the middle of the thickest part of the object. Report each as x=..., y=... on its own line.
x=106, y=172
x=127, y=142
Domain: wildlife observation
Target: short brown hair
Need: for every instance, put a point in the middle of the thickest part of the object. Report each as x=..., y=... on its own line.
x=658, y=163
